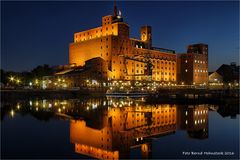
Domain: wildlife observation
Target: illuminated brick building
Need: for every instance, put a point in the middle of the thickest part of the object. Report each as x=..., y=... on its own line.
x=126, y=58
x=123, y=128
x=193, y=65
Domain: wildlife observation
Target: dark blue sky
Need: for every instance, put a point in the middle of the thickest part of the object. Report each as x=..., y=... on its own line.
x=35, y=33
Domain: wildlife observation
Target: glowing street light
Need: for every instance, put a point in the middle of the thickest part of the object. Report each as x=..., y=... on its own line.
x=12, y=113
x=18, y=81
x=36, y=81
x=11, y=78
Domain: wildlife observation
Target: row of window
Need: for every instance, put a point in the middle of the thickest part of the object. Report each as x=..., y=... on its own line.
x=204, y=71
x=201, y=62
x=154, y=67
x=173, y=63
x=162, y=73
x=197, y=61
x=90, y=37
x=87, y=33
x=163, y=79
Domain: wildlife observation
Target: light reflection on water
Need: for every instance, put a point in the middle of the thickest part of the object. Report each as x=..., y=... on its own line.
x=113, y=128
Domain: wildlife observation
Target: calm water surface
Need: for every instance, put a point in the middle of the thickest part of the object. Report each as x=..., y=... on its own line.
x=117, y=128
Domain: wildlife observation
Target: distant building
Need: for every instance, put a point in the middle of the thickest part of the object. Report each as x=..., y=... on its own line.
x=193, y=65
x=215, y=77
x=230, y=73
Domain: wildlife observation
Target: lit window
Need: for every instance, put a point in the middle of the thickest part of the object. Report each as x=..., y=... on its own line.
x=195, y=61
x=185, y=61
x=186, y=70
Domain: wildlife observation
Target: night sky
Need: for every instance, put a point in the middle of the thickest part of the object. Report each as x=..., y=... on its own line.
x=36, y=33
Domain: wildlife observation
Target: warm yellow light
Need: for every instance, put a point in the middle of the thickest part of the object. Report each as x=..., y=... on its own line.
x=12, y=113
x=18, y=81
x=59, y=110
x=11, y=78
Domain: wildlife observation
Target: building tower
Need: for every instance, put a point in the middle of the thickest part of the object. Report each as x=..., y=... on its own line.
x=146, y=35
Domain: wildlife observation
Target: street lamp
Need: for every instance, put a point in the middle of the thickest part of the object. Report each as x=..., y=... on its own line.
x=18, y=81
x=11, y=78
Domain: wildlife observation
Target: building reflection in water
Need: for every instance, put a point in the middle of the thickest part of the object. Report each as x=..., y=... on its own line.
x=110, y=128
x=120, y=127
